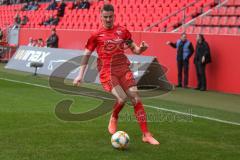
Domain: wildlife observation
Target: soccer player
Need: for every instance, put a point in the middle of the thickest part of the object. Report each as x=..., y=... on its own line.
x=110, y=41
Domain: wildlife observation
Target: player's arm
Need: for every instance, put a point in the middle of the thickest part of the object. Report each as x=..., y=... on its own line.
x=83, y=66
x=138, y=49
x=173, y=45
x=89, y=48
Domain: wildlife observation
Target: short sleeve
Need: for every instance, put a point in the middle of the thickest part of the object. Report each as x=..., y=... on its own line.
x=91, y=43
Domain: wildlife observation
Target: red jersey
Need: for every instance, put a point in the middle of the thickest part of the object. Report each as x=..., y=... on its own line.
x=110, y=45
x=113, y=64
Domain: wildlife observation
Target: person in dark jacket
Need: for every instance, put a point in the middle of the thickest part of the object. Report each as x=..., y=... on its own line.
x=52, y=41
x=1, y=35
x=52, y=5
x=61, y=8
x=201, y=58
x=53, y=20
x=24, y=20
x=184, y=52
x=84, y=4
x=81, y=4
x=17, y=19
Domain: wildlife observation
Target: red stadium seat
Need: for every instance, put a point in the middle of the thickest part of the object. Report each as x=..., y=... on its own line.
x=215, y=30
x=231, y=21
x=238, y=22
x=189, y=29
x=237, y=12
x=230, y=2
x=154, y=29
x=224, y=30
x=222, y=11
x=214, y=11
x=181, y=30
x=234, y=30
x=237, y=3
x=223, y=21
x=230, y=11
x=192, y=11
x=197, y=30
x=206, y=30
x=209, y=3
x=206, y=20
x=215, y=21
x=199, y=21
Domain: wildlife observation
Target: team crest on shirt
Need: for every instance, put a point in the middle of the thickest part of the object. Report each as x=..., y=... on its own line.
x=119, y=33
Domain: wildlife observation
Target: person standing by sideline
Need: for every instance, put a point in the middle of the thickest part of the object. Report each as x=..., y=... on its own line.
x=184, y=52
x=52, y=41
x=201, y=58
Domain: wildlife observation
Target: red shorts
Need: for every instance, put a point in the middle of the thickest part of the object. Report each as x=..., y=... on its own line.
x=122, y=76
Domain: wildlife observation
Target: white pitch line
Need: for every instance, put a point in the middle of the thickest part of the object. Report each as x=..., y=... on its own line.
x=27, y=83
x=149, y=106
x=193, y=115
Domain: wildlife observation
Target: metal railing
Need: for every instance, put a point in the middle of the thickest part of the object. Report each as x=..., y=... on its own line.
x=5, y=30
x=184, y=16
x=184, y=26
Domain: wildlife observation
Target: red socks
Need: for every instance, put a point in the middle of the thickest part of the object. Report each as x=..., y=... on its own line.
x=139, y=113
x=141, y=116
x=116, y=109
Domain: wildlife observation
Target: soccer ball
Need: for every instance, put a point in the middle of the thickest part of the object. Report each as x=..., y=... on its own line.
x=120, y=140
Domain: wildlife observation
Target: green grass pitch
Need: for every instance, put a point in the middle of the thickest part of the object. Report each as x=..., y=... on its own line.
x=29, y=129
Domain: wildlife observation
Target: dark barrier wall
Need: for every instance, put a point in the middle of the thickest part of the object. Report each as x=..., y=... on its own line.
x=223, y=73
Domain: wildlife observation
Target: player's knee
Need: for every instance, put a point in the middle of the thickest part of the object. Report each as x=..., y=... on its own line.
x=122, y=100
x=133, y=89
x=135, y=100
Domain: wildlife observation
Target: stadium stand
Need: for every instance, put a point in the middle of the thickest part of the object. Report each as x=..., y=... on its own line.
x=135, y=14
x=224, y=19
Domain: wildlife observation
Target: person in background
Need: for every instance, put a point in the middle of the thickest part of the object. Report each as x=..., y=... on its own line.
x=24, y=20
x=40, y=43
x=81, y=4
x=52, y=41
x=17, y=19
x=26, y=6
x=53, y=20
x=52, y=5
x=35, y=41
x=75, y=4
x=1, y=35
x=84, y=4
x=201, y=58
x=184, y=52
x=34, y=5
x=31, y=42
x=61, y=9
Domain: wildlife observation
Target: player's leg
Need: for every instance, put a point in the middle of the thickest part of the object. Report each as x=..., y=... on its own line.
x=186, y=71
x=128, y=84
x=179, y=67
x=110, y=83
x=121, y=96
x=140, y=114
